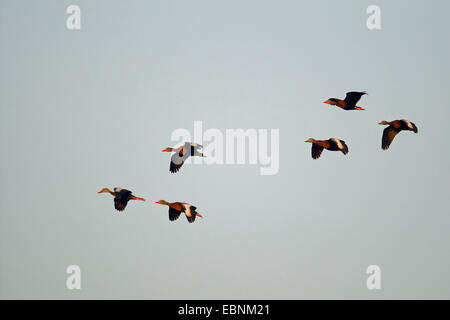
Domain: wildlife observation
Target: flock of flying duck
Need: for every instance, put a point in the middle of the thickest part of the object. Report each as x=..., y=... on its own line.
x=349, y=103
x=122, y=196
x=180, y=154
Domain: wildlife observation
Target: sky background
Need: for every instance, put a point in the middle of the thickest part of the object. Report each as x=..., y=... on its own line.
x=82, y=110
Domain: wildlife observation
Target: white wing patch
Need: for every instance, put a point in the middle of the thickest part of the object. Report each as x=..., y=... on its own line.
x=338, y=142
x=187, y=209
x=117, y=189
x=408, y=124
x=193, y=144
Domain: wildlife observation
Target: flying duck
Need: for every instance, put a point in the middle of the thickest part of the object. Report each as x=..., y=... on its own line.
x=331, y=144
x=176, y=208
x=393, y=128
x=182, y=153
x=350, y=101
x=121, y=197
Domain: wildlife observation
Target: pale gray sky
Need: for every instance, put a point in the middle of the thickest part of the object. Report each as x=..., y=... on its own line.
x=93, y=108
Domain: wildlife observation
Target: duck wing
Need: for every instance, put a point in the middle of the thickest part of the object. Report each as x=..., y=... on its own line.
x=173, y=214
x=389, y=134
x=316, y=151
x=121, y=199
x=177, y=160
x=353, y=97
x=189, y=211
